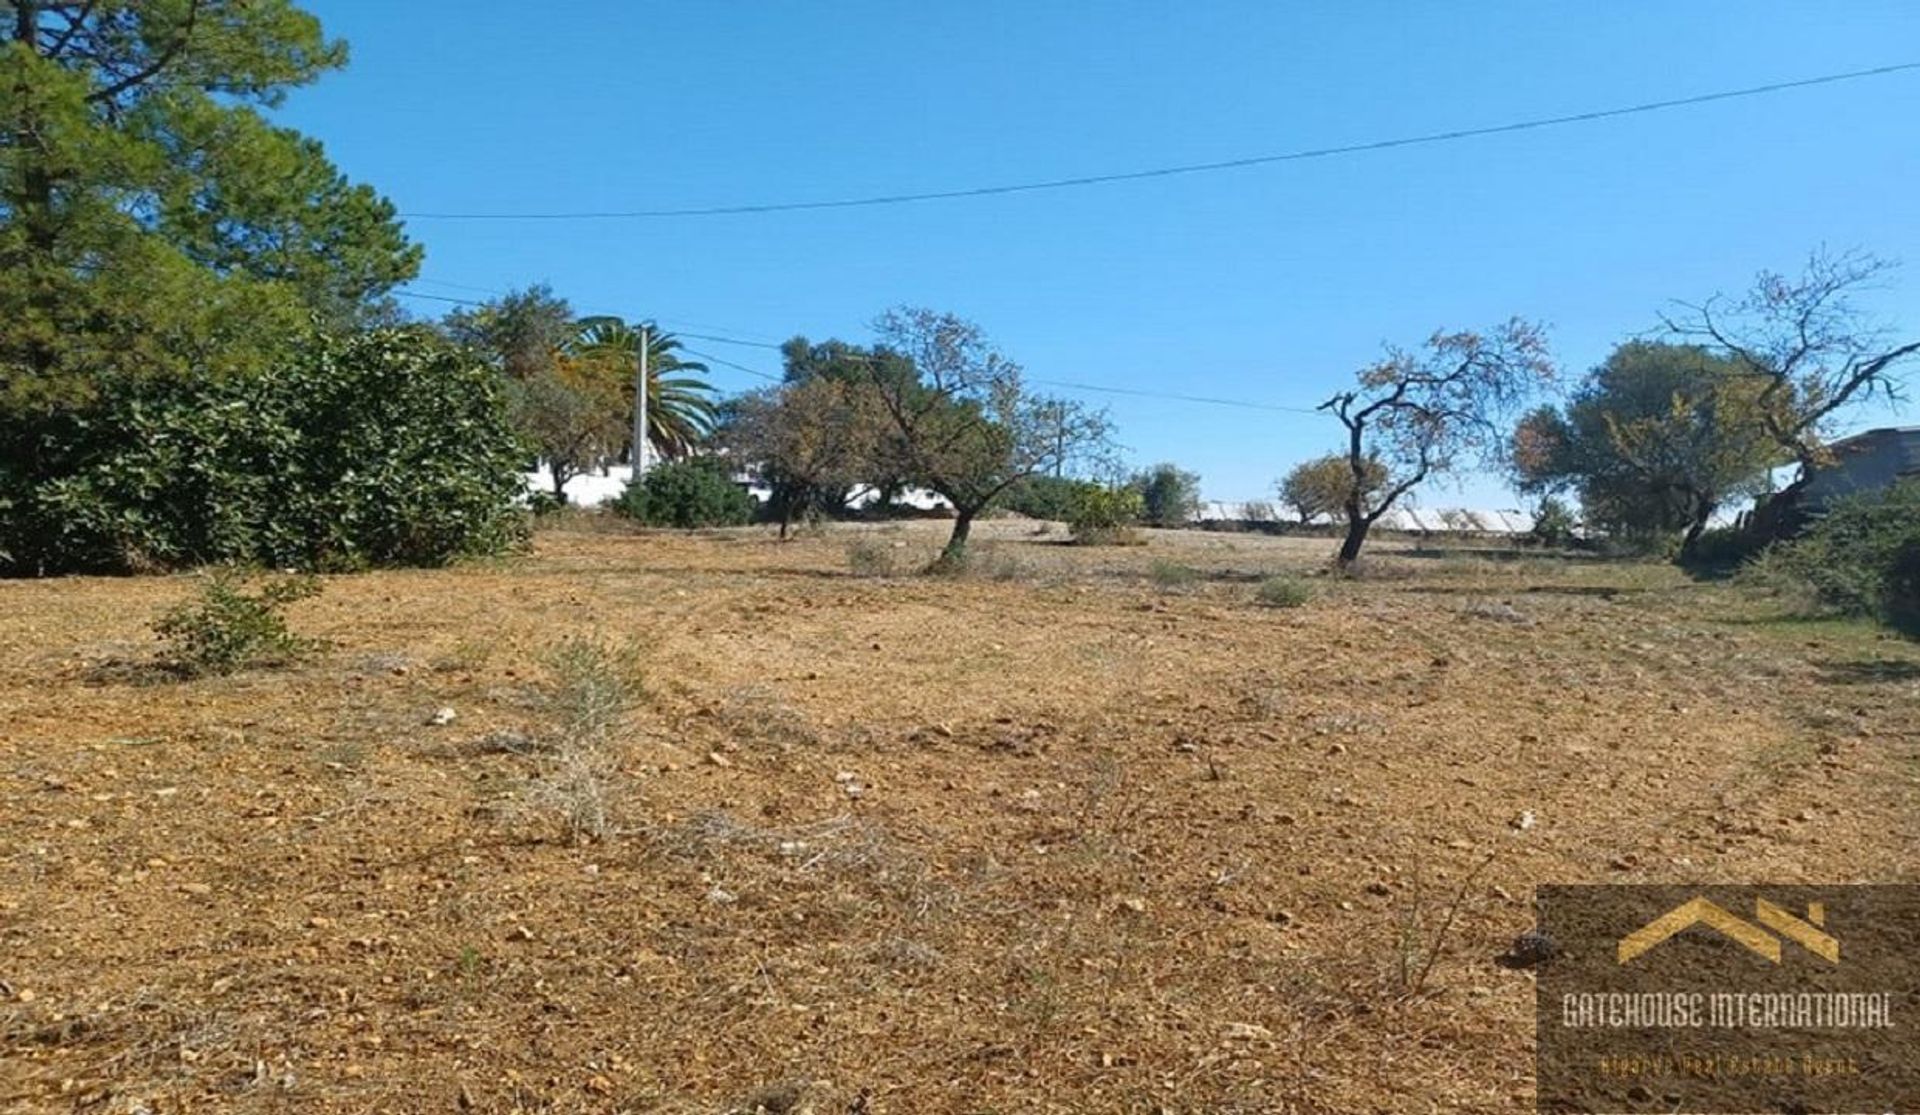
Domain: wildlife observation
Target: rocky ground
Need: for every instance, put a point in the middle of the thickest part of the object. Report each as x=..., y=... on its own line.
x=1085, y=830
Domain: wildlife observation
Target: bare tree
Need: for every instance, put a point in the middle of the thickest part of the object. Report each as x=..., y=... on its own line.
x=965, y=426
x=1813, y=349
x=1423, y=413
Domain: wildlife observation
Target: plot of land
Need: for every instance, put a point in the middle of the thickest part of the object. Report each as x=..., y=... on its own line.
x=1087, y=830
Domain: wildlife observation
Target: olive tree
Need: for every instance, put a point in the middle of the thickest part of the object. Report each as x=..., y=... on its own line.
x=965, y=426
x=1169, y=494
x=1321, y=486
x=1426, y=412
x=1658, y=438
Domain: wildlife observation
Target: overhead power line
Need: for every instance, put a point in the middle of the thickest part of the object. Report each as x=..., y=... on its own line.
x=725, y=363
x=1182, y=169
x=1242, y=404
x=489, y=290
x=1145, y=394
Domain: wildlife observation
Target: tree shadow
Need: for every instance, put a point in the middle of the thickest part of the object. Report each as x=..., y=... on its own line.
x=1511, y=554
x=1867, y=671
x=1604, y=592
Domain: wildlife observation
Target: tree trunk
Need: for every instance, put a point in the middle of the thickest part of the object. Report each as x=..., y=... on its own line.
x=955, y=551
x=1357, y=527
x=33, y=203
x=1689, y=543
x=560, y=479
x=786, y=517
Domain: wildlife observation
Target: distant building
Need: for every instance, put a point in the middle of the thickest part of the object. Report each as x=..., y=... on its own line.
x=1866, y=462
x=1418, y=520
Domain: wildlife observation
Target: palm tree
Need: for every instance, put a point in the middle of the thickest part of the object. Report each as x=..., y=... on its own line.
x=680, y=410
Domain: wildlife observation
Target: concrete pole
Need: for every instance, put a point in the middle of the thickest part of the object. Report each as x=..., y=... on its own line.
x=640, y=410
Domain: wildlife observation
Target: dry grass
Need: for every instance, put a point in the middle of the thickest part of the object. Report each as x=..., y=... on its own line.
x=1056, y=842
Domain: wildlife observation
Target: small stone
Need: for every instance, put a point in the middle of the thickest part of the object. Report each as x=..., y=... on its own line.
x=1524, y=821
x=198, y=890
x=442, y=716
x=1379, y=888
x=718, y=759
x=1528, y=950
x=1244, y=1031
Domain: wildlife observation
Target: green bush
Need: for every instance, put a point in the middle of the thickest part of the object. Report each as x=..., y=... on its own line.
x=1283, y=592
x=1046, y=497
x=1553, y=523
x=696, y=492
x=1169, y=495
x=1104, y=516
x=388, y=448
x=1861, y=558
x=1723, y=548
x=1171, y=576
x=224, y=628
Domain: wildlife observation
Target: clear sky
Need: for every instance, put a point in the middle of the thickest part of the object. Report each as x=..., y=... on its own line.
x=1269, y=284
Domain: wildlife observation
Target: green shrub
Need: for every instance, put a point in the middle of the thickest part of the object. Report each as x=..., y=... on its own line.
x=389, y=448
x=1861, y=558
x=696, y=492
x=1169, y=495
x=1553, y=523
x=1170, y=576
x=1046, y=497
x=1104, y=516
x=1283, y=592
x=1723, y=548
x=224, y=628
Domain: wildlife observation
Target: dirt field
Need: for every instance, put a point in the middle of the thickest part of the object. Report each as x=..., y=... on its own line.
x=1077, y=833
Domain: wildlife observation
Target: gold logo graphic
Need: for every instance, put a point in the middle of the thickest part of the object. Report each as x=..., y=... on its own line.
x=1807, y=934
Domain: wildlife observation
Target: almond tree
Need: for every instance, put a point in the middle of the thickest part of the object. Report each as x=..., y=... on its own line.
x=965, y=426
x=1425, y=413
x=1808, y=344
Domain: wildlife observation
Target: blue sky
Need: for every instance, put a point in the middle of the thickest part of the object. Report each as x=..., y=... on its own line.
x=1269, y=284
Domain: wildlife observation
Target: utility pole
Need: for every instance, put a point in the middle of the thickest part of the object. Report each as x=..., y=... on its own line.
x=639, y=452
